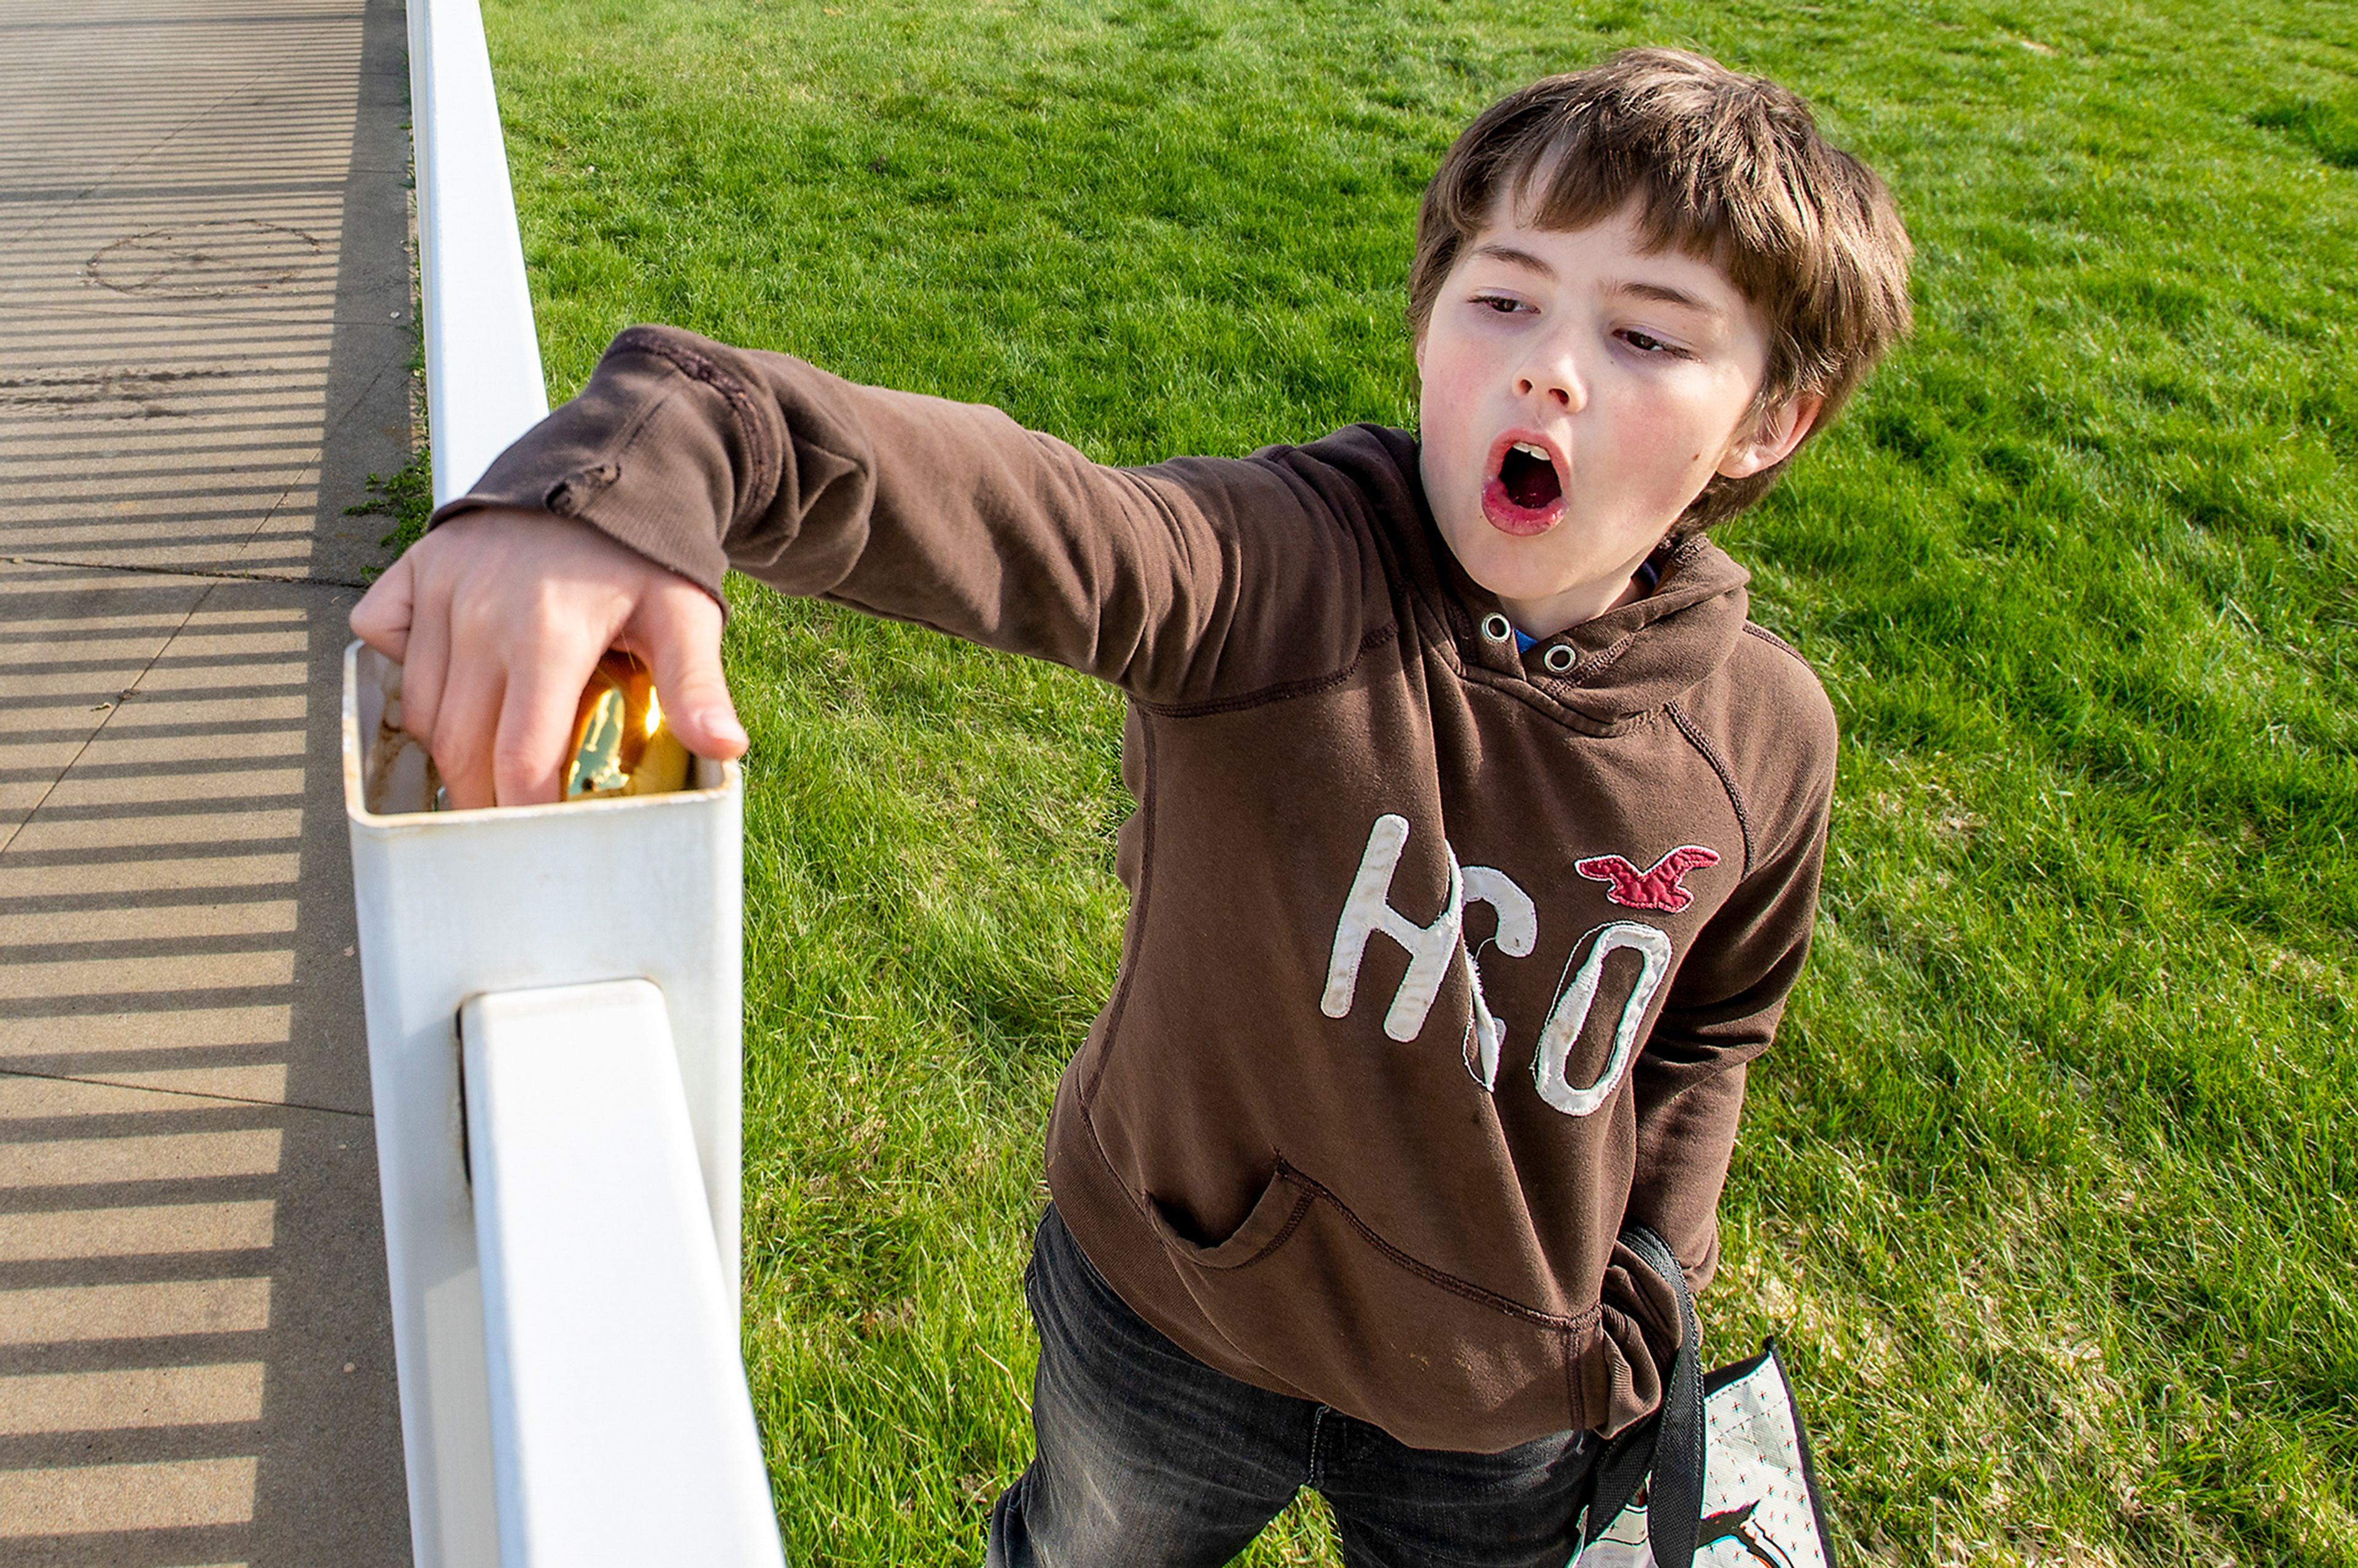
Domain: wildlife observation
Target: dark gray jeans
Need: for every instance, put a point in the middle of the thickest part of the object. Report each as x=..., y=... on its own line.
x=1148, y=1458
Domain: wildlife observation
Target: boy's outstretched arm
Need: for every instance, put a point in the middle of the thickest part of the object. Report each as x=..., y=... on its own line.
x=617, y=516
x=497, y=618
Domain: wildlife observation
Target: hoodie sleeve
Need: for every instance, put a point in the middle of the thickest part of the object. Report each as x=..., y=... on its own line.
x=1179, y=582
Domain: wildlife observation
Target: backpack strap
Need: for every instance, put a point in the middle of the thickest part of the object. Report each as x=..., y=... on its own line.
x=1668, y=1445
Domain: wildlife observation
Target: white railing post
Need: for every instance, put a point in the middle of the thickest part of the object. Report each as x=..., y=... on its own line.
x=480, y=909
x=459, y=905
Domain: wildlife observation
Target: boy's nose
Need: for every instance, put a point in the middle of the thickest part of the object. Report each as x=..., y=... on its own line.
x=1552, y=375
x=1556, y=387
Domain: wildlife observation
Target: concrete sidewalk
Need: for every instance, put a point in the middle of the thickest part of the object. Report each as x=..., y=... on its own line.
x=204, y=343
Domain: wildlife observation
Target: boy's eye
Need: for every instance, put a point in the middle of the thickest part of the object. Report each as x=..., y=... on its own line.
x=1645, y=343
x=1503, y=304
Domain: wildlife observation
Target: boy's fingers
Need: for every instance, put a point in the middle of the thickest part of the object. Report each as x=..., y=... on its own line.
x=498, y=619
x=676, y=629
x=382, y=617
x=536, y=720
x=465, y=720
x=425, y=660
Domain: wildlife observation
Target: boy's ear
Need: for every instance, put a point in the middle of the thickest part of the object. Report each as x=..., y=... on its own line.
x=1772, y=438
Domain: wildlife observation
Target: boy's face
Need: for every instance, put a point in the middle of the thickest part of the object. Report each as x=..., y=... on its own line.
x=1578, y=393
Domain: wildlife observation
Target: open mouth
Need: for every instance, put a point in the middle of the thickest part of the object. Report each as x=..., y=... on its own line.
x=1525, y=494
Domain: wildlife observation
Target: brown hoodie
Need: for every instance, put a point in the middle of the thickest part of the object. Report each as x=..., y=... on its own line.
x=1443, y=960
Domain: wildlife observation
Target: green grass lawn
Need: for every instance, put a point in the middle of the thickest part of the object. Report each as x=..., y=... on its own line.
x=2049, y=1183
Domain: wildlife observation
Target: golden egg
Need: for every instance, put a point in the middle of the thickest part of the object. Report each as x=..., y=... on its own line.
x=620, y=743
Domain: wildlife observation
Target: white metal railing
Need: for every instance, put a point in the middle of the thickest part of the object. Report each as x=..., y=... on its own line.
x=554, y=1000
x=483, y=381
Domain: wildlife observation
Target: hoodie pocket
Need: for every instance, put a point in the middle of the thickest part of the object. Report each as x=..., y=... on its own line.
x=1307, y=1290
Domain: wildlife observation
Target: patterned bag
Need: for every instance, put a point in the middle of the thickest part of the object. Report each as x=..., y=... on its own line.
x=1725, y=1463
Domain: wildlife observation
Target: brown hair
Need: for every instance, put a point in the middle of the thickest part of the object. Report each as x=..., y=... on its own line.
x=1726, y=168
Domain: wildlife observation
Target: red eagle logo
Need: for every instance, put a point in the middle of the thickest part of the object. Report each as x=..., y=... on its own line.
x=1658, y=887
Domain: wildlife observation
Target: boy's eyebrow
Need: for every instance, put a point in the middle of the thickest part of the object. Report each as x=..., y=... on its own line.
x=1514, y=256
x=1666, y=295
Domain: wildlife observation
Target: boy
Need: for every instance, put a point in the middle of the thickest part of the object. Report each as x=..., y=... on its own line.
x=1478, y=837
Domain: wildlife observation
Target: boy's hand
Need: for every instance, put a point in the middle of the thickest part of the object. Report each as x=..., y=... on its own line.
x=497, y=619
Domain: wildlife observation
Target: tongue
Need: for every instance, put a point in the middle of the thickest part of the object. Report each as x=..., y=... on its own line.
x=1530, y=483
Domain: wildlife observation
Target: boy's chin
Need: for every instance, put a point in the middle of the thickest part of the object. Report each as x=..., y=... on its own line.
x=1538, y=599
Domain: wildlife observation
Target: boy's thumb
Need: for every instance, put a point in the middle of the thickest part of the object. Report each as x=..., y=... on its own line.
x=683, y=649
